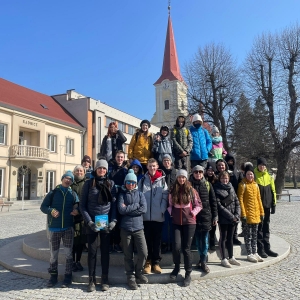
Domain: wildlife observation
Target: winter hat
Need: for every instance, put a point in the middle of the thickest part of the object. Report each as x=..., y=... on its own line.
x=210, y=166
x=130, y=176
x=68, y=174
x=145, y=121
x=86, y=158
x=261, y=161
x=101, y=163
x=249, y=168
x=215, y=130
x=167, y=156
x=198, y=168
x=164, y=127
x=182, y=172
x=197, y=117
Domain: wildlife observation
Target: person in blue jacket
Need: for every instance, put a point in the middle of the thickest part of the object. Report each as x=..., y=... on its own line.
x=202, y=143
x=61, y=205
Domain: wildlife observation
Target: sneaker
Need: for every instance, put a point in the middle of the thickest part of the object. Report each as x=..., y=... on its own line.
x=187, y=279
x=233, y=261
x=74, y=267
x=175, y=272
x=271, y=253
x=156, y=269
x=225, y=263
x=92, y=285
x=79, y=266
x=132, y=283
x=205, y=268
x=67, y=281
x=147, y=267
x=104, y=283
x=251, y=258
x=141, y=279
x=118, y=249
x=263, y=254
x=259, y=259
x=236, y=241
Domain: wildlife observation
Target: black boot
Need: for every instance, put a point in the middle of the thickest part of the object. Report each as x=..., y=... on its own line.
x=53, y=278
x=104, y=283
x=132, y=283
x=204, y=267
x=262, y=253
x=92, y=284
x=175, y=272
x=187, y=279
x=67, y=280
x=271, y=253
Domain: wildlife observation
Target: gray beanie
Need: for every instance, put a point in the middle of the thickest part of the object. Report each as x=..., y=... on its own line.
x=198, y=168
x=167, y=156
x=182, y=172
x=101, y=163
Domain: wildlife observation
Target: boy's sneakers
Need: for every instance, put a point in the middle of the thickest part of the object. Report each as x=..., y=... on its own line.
x=233, y=261
x=132, y=283
x=225, y=263
x=259, y=259
x=252, y=258
x=141, y=279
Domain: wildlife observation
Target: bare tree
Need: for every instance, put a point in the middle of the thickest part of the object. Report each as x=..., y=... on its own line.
x=214, y=86
x=272, y=69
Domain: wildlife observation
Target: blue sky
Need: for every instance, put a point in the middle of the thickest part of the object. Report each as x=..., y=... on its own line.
x=113, y=50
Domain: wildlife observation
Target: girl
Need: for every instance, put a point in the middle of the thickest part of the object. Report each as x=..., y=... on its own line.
x=184, y=205
x=252, y=212
x=229, y=214
x=137, y=169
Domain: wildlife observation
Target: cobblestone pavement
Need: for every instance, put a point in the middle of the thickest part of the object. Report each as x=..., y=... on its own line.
x=279, y=281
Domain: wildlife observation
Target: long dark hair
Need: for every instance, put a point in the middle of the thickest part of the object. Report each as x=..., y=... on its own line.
x=181, y=194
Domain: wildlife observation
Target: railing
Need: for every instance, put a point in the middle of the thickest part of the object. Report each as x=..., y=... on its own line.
x=29, y=152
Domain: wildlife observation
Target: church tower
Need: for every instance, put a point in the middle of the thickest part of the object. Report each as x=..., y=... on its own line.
x=171, y=90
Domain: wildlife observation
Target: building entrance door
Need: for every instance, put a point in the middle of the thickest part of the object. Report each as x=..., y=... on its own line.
x=24, y=170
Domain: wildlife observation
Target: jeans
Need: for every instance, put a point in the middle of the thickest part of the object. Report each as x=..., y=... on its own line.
x=92, y=254
x=129, y=240
x=180, y=162
x=167, y=229
x=202, y=244
x=182, y=240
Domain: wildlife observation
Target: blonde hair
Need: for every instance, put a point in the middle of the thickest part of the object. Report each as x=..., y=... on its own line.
x=78, y=167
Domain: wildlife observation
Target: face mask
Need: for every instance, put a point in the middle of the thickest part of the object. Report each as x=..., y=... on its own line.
x=197, y=125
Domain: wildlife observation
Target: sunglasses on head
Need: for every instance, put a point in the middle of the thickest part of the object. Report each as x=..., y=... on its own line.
x=196, y=172
x=130, y=182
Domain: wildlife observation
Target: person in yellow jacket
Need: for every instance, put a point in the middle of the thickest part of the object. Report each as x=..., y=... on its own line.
x=252, y=212
x=140, y=146
x=268, y=198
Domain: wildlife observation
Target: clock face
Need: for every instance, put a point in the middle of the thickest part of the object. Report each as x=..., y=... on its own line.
x=166, y=86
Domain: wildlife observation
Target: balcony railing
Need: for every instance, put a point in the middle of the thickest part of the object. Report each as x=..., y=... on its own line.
x=29, y=152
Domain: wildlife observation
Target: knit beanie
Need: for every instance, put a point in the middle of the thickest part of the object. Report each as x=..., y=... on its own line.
x=167, y=156
x=130, y=176
x=164, y=127
x=101, y=163
x=198, y=168
x=249, y=168
x=145, y=121
x=215, y=130
x=182, y=172
x=197, y=117
x=87, y=159
x=261, y=161
x=68, y=174
x=210, y=166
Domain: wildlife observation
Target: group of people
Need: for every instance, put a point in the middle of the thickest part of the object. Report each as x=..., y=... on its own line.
x=151, y=200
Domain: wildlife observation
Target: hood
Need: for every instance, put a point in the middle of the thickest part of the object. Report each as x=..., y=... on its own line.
x=226, y=165
x=136, y=162
x=177, y=121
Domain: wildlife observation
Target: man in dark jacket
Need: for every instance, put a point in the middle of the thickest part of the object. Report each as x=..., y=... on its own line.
x=207, y=217
x=87, y=164
x=61, y=205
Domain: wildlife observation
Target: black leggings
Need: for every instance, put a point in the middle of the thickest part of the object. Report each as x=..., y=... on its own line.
x=226, y=237
x=77, y=252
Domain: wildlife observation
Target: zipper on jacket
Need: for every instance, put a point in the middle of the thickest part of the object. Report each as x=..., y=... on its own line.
x=63, y=210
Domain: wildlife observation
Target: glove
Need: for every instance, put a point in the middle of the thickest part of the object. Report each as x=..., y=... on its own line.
x=273, y=209
x=244, y=220
x=93, y=226
x=111, y=225
x=261, y=219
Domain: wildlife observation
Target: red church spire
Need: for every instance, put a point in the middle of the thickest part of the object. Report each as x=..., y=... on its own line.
x=171, y=69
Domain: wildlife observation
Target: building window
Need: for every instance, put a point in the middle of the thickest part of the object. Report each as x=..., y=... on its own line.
x=52, y=143
x=3, y=128
x=69, y=146
x=131, y=130
x=108, y=121
x=166, y=104
x=121, y=126
x=1, y=182
x=50, y=179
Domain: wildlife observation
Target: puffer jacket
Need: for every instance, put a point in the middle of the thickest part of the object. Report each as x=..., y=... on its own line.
x=132, y=213
x=156, y=195
x=117, y=142
x=140, y=147
x=209, y=210
x=182, y=140
x=202, y=143
x=250, y=202
x=76, y=186
x=267, y=188
x=170, y=176
x=185, y=214
x=64, y=203
x=162, y=147
x=230, y=210
x=93, y=204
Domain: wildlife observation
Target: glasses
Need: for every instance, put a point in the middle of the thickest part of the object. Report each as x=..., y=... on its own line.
x=68, y=178
x=130, y=182
x=198, y=172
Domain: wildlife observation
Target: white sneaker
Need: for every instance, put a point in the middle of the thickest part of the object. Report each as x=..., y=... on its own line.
x=258, y=257
x=233, y=261
x=252, y=258
x=225, y=263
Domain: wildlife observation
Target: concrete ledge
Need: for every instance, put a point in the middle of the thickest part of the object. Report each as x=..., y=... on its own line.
x=13, y=258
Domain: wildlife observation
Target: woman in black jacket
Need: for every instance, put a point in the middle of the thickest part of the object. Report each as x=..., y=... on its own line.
x=207, y=217
x=98, y=198
x=112, y=142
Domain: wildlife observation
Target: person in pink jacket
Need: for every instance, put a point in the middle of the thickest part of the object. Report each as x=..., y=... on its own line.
x=184, y=205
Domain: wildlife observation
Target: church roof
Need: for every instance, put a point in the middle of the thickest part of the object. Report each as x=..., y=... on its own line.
x=171, y=69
